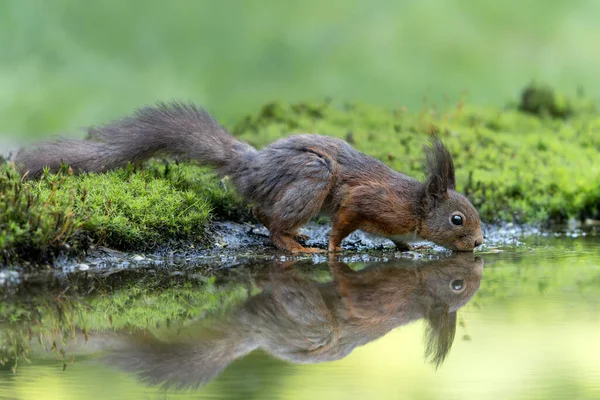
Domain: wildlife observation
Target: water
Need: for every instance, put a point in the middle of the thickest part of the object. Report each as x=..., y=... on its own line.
x=507, y=323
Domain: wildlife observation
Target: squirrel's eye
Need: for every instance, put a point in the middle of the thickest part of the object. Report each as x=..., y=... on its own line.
x=457, y=284
x=456, y=219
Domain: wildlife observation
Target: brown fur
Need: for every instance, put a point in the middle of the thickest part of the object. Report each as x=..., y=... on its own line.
x=289, y=182
x=303, y=321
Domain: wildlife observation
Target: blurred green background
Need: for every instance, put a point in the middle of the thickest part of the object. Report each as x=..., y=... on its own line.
x=65, y=64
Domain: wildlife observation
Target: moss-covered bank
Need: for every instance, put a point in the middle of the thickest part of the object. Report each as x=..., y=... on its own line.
x=533, y=162
x=163, y=205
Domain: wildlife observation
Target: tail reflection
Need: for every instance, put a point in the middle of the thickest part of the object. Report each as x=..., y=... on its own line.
x=303, y=321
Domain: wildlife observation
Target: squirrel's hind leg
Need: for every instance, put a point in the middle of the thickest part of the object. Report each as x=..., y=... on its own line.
x=285, y=239
x=287, y=242
x=291, y=195
x=263, y=219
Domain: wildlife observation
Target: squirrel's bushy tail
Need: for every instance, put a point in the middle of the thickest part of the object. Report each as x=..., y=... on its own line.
x=175, y=128
x=186, y=362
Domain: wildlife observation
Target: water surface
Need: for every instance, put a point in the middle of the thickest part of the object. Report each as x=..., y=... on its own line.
x=511, y=324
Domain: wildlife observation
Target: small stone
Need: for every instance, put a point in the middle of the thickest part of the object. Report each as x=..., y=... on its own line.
x=83, y=267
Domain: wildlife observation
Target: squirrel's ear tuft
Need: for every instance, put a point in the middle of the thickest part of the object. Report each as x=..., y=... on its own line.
x=440, y=168
x=439, y=335
x=435, y=189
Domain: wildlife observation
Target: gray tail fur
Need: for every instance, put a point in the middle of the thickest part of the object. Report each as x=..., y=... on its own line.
x=185, y=363
x=179, y=129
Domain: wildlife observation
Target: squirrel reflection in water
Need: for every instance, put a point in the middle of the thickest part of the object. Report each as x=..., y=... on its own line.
x=303, y=321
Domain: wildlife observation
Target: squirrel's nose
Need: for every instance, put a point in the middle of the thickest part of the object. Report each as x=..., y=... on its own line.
x=478, y=242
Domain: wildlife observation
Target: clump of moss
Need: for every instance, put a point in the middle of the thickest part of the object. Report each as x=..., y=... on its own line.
x=543, y=100
x=161, y=205
x=33, y=226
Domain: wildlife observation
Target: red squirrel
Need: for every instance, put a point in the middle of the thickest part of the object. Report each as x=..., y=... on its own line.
x=288, y=182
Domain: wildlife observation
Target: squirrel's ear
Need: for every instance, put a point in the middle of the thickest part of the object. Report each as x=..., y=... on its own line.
x=440, y=168
x=451, y=177
x=436, y=189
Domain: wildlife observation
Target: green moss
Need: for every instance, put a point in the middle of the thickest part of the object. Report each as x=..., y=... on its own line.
x=145, y=209
x=161, y=205
x=33, y=226
x=541, y=100
x=525, y=167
